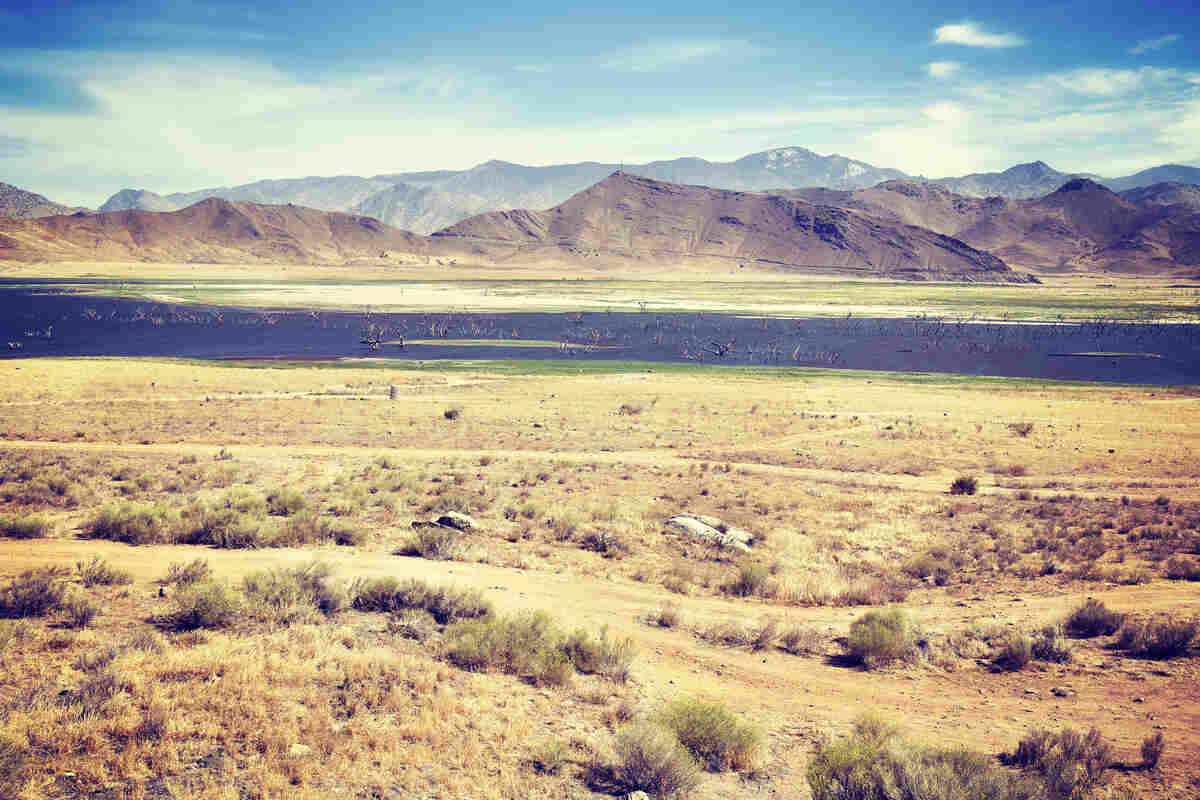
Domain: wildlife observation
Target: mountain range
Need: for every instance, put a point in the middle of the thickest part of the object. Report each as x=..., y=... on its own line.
x=428, y=201
x=17, y=203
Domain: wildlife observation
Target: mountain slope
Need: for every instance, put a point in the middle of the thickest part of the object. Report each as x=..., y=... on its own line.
x=213, y=230
x=18, y=203
x=1166, y=173
x=643, y=218
x=139, y=200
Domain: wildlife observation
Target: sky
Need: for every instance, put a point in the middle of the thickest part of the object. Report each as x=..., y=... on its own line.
x=182, y=95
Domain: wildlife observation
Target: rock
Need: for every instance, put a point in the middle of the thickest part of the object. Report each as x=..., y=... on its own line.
x=299, y=750
x=1060, y=691
x=693, y=527
x=638, y=795
x=453, y=519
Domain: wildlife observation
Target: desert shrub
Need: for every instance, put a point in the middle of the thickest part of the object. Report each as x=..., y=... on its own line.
x=99, y=572
x=878, y=638
x=79, y=611
x=651, y=759
x=131, y=524
x=1152, y=750
x=285, y=502
x=286, y=593
x=629, y=410
x=527, y=644
x=1158, y=639
x=875, y=763
x=801, y=641
x=750, y=581
x=667, y=615
x=33, y=594
x=389, y=595
x=412, y=624
x=714, y=735
x=606, y=543
x=452, y=413
x=1016, y=650
x=189, y=573
x=1093, y=618
x=435, y=542
x=964, y=484
x=1021, y=428
x=1179, y=568
x=25, y=527
x=223, y=528
x=1070, y=763
x=610, y=657
x=207, y=604
x=1050, y=645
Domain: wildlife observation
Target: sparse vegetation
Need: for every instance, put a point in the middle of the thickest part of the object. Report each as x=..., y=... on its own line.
x=1071, y=764
x=205, y=604
x=184, y=574
x=964, y=484
x=1093, y=618
x=1158, y=639
x=28, y=527
x=99, y=572
x=33, y=594
x=715, y=736
x=131, y=524
x=651, y=759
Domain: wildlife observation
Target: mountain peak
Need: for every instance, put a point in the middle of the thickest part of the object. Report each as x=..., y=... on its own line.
x=1082, y=184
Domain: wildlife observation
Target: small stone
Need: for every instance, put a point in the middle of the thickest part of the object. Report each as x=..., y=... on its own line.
x=1059, y=691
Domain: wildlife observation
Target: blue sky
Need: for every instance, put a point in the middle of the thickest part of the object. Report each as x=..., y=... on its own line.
x=179, y=95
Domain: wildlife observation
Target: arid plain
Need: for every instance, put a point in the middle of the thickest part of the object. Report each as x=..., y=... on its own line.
x=985, y=511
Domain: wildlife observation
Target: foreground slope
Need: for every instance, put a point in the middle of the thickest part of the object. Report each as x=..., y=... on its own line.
x=643, y=218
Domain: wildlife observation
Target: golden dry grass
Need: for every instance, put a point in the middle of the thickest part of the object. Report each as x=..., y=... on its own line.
x=844, y=479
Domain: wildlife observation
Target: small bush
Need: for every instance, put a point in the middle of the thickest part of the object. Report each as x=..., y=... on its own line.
x=223, y=528
x=411, y=624
x=1152, y=750
x=99, y=572
x=1050, y=645
x=878, y=638
x=711, y=733
x=1016, y=650
x=651, y=759
x=285, y=593
x=285, y=502
x=1021, y=429
x=610, y=658
x=1093, y=618
x=750, y=581
x=25, y=527
x=436, y=543
x=452, y=413
x=389, y=595
x=1158, y=639
x=34, y=594
x=1070, y=763
x=189, y=573
x=667, y=615
x=801, y=641
x=527, y=644
x=131, y=524
x=606, y=543
x=964, y=484
x=1179, y=568
x=204, y=605
x=79, y=612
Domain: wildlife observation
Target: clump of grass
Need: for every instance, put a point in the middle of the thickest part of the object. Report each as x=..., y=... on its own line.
x=306, y=528
x=798, y=641
x=651, y=759
x=1152, y=750
x=1158, y=639
x=389, y=595
x=1069, y=762
x=1179, y=568
x=714, y=735
x=206, y=604
x=286, y=594
x=412, y=624
x=436, y=543
x=99, y=572
x=964, y=484
x=875, y=762
x=79, y=611
x=452, y=413
x=1021, y=429
x=185, y=574
x=223, y=528
x=1050, y=645
x=1093, y=618
x=1016, y=651
x=667, y=615
x=285, y=502
x=609, y=657
x=751, y=580
x=131, y=524
x=878, y=638
x=30, y=527
x=35, y=593
x=526, y=644
x=607, y=543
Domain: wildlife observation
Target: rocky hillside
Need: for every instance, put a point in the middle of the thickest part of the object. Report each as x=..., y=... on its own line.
x=138, y=200
x=17, y=203
x=644, y=218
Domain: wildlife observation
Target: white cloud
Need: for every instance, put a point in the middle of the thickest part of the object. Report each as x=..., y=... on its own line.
x=942, y=69
x=540, y=69
x=1146, y=45
x=971, y=35
x=655, y=56
x=1102, y=82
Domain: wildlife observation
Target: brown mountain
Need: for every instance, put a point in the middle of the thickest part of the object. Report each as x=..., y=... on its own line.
x=212, y=230
x=635, y=217
x=17, y=203
x=1080, y=226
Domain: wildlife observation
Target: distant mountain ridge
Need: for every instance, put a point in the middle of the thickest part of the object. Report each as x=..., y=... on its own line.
x=427, y=201
x=19, y=203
